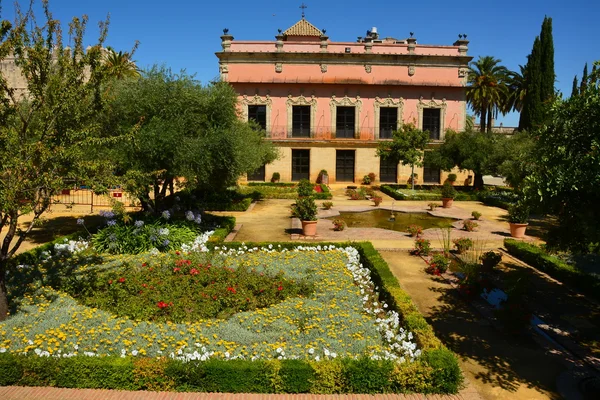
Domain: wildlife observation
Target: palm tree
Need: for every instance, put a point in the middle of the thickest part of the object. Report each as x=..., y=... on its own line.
x=487, y=89
x=120, y=65
x=517, y=89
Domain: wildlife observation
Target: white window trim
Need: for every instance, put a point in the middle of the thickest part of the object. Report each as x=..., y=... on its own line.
x=345, y=102
x=388, y=103
x=301, y=101
x=442, y=106
x=256, y=100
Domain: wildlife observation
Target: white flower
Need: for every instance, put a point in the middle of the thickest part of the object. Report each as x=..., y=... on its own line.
x=311, y=351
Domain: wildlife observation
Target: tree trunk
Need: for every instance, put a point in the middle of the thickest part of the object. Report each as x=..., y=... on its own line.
x=490, y=122
x=412, y=176
x=3, y=291
x=482, y=121
x=478, y=181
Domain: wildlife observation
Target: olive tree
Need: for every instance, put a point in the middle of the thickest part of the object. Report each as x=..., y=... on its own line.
x=48, y=127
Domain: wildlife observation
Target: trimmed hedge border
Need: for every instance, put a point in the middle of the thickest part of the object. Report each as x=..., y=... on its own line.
x=391, y=190
x=436, y=371
x=539, y=259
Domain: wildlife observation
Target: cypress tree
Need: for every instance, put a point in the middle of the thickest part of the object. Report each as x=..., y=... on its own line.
x=575, y=90
x=593, y=76
x=532, y=114
x=584, y=80
x=548, y=77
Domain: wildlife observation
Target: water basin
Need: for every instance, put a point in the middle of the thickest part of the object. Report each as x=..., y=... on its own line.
x=381, y=219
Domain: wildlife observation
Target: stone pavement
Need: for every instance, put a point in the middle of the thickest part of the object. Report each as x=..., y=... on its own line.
x=48, y=393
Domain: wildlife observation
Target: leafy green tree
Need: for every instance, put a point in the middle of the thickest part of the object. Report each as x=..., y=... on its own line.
x=515, y=157
x=406, y=147
x=487, y=89
x=474, y=151
x=47, y=131
x=120, y=65
x=584, y=79
x=566, y=177
x=539, y=79
x=181, y=129
x=548, y=76
x=575, y=89
x=516, y=90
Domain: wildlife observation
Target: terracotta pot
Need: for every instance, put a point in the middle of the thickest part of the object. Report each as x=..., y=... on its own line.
x=447, y=203
x=309, y=228
x=517, y=230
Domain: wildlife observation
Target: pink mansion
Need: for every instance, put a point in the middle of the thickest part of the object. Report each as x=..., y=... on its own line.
x=327, y=104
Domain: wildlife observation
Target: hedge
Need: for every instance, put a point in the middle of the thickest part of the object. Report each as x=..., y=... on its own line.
x=276, y=184
x=436, y=371
x=556, y=268
x=428, y=193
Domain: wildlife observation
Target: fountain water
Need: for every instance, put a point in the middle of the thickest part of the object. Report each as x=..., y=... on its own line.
x=392, y=217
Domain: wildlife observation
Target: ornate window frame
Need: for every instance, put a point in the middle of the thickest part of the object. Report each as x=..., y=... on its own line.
x=389, y=103
x=256, y=100
x=442, y=106
x=301, y=101
x=345, y=102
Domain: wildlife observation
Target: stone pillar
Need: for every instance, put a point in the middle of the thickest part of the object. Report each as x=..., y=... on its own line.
x=368, y=47
x=412, y=44
x=226, y=40
x=462, y=44
x=279, y=42
x=324, y=42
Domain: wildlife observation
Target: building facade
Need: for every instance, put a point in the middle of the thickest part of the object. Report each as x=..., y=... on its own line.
x=327, y=105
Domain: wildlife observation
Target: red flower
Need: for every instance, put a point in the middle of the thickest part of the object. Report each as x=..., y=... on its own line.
x=144, y=264
x=231, y=289
x=162, y=304
x=280, y=288
x=110, y=282
x=121, y=280
x=176, y=269
x=194, y=271
x=177, y=252
x=144, y=285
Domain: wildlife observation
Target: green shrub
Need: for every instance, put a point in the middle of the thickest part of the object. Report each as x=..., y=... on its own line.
x=275, y=177
x=476, y=215
x=422, y=247
x=328, y=377
x=305, y=209
x=327, y=205
x=553, y=266
x=367, y=376
x=452, y=178
x=11, y=371
x=296, y=376
x=446, y=377
x=305, y=188
x=149, y=374
x=518, y=213
x=462, y=244
x=415, y=230
x=448, y=191
x=96, y=373
x=469, y=225
x=412, y=377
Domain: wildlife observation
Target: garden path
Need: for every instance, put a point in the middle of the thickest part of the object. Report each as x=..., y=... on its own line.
x=499, y=367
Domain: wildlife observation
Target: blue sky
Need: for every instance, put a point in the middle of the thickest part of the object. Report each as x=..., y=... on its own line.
x=185, y=34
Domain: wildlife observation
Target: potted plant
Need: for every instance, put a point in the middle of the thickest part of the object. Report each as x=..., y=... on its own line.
x=518, y=214
x=275, y=177
x=366, y=180
x=414, y=177
x=327, y=205
x=324, y=177
x=306, y=211
x=451, y=179
x=305, y=188
x=432, y=206
x=377, y=200
x=339, y=224
x=414, y=230
x=469, y=225
x=490, y=259
x=462, y=244
x=448, y=195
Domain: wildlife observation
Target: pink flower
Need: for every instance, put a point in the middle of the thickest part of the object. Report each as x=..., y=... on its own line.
x=194, y=271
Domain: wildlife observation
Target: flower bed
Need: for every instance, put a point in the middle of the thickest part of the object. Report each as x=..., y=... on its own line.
x=400, y=192
x=340, y=338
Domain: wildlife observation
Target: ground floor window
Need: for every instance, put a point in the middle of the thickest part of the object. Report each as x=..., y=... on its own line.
x=388, y=170
x=257, y=175
x=431, y=175
x=300, y=164
x=344, y=165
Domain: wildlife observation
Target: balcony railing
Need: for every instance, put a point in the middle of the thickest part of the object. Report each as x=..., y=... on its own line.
x=319, y=133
